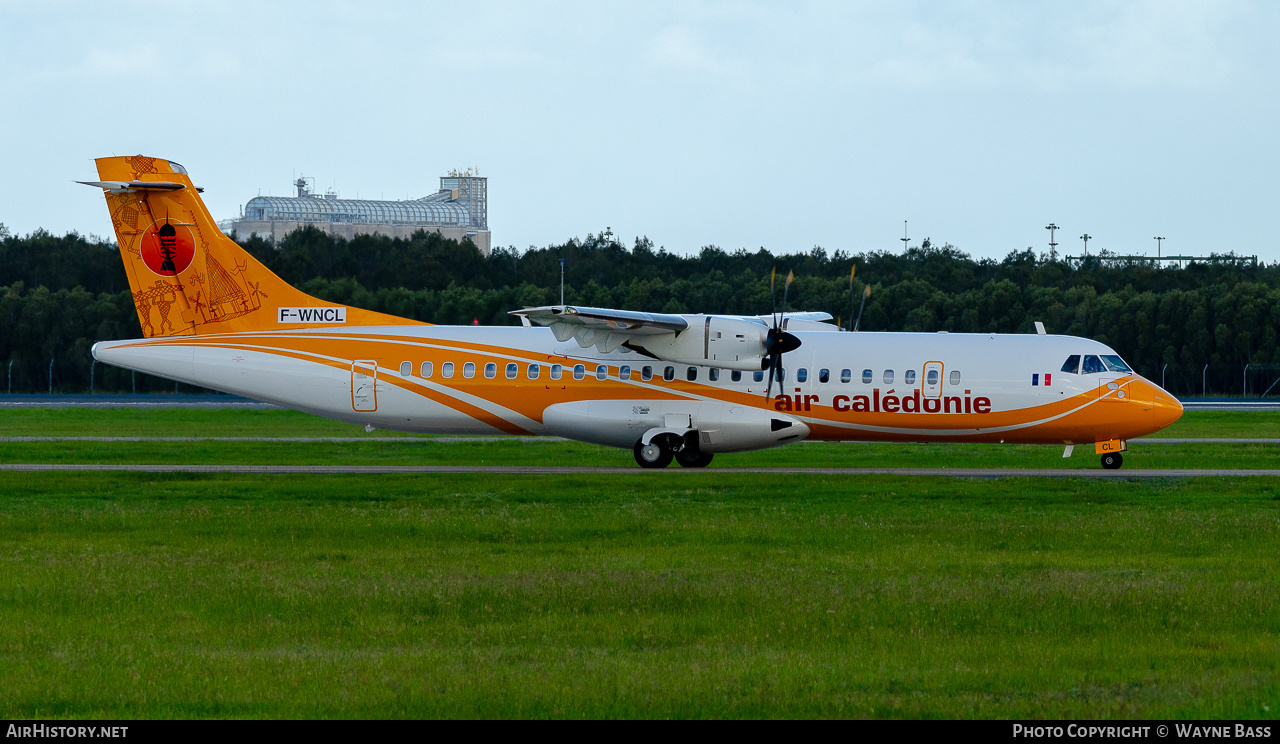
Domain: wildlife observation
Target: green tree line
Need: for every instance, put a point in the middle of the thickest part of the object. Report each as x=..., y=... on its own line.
x=60, y=294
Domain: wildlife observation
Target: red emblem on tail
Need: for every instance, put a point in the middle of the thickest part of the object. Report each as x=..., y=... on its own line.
x=167, y=249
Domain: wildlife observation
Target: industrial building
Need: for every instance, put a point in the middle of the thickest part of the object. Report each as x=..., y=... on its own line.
x=459, y=210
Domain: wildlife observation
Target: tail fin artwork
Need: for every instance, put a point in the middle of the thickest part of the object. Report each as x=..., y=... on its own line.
x=187, y=277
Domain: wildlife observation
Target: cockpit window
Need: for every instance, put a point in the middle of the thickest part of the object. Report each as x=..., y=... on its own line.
x=1092, y=365
x=1072, y=364
x=1115, y=363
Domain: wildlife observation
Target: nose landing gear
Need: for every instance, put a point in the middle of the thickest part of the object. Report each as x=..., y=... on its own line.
x=1112, y=461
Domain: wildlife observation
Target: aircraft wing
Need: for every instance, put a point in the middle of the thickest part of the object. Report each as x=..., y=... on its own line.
x=597, y=326
x=734, y=341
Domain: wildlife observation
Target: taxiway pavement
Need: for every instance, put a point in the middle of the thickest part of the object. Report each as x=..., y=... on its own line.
x=535, y=470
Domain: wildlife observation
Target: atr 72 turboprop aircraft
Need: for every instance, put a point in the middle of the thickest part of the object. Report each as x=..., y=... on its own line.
x=681, y=387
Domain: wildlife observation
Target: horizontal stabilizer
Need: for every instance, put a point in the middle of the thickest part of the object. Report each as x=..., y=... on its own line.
x=129, y=187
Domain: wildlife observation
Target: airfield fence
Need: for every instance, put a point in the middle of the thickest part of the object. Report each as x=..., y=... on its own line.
x=1218, y=380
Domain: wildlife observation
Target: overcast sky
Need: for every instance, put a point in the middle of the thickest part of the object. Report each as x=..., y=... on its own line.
x=784, y=125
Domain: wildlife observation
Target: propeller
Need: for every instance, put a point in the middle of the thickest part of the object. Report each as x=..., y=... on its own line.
x=777, y=341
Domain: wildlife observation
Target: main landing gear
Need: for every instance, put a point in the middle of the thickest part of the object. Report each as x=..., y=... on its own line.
x=1112, y=461
x=659, y=452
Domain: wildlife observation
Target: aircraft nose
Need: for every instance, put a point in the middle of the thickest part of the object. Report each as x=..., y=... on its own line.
x=1165, y=409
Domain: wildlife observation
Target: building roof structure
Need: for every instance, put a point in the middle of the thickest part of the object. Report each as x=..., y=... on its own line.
x=436, y=209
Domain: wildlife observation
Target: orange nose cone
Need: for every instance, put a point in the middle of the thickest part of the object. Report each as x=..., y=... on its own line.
x=1165, y=409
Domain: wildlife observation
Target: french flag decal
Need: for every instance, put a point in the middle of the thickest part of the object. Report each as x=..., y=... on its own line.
x=1035, y=379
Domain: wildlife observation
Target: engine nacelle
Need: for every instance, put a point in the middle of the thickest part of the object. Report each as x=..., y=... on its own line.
x=721, y=427
x=711, y=341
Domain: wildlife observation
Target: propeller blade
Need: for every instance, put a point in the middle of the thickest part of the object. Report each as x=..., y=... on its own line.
x=852, y=270
x=773, y=297
x=865, y=294
x=786, y=289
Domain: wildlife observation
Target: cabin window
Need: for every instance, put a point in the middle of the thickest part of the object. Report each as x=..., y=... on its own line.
x=646, y=373
x=1072, y=364
x=824, y=375
x=802, y=375
x=406, y=369
x=713, y=374
x=425, y=369
x=758, y=376
x=782, y=373
x=446, y=370
x=932, y=377
x=888, y=377
x=624, y=372
x=909, y=377
x=534, y=371
x=846, y=375
x=490, y=370
x=469, y=370
x=1092, y=365
x=1115, y=363
x=602, y=371
x=579, y=371
x=513, y=369
x=669, y=374
x=735, y=376
x=954, y=377
x=691, y=374
x=866, y=377
x=556, y=371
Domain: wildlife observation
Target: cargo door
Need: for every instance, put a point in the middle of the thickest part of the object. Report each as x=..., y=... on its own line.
x=364, y=385
x=932, y=387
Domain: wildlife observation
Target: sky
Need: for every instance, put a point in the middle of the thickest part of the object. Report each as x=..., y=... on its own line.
x=736, y=124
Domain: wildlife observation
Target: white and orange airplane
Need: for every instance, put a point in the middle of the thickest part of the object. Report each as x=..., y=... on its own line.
x=681, y=387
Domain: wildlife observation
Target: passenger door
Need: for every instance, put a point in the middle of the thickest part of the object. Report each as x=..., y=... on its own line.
x=364, y=385
x=932, y=387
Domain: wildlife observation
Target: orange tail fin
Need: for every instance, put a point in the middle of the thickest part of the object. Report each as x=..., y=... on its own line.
x=187, y=277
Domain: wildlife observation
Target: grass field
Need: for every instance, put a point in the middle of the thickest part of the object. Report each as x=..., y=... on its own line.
x=702, y=595
x=719, y=595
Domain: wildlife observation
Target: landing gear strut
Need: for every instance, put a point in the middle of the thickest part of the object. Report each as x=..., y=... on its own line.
x=1112, y=461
